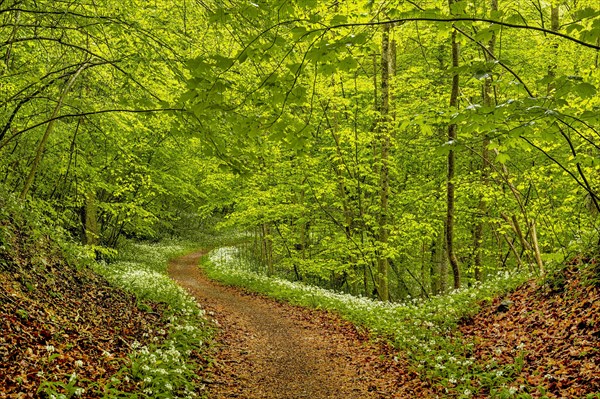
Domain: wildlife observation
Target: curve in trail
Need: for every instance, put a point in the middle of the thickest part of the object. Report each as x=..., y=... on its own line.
x=268, y=349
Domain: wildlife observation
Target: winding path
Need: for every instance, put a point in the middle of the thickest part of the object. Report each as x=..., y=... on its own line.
x=267, y=349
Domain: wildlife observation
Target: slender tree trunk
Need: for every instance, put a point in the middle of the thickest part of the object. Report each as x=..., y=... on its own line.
x=434, y=273
x=536, y=248
x=514, y=251
x=439, y=264
x=303, y=229
x=452, y=134
x=554, y=25
x=513, y=221
x=8, y=54
x=49, y=127
x=488, y=101
x=443, y=265
x=267, y=248
x=384, y=178
x=92, y=232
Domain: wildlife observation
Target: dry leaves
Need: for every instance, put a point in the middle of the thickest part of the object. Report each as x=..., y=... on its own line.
x=557, y=328
x=56, y=321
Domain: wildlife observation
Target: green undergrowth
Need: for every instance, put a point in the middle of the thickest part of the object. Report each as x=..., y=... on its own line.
x=424, y=330
x=32, y=244
x=167, y=368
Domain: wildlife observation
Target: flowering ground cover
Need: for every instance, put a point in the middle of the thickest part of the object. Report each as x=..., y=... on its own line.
x=71, y=327
x=68, y=336
x=66, y=332
x=166, y=367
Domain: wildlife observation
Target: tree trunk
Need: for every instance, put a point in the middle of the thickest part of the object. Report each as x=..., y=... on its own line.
x=49, y=127
x=452, y=133
x=267, y=248
x=488, y=101
x=92, y=232
x=434, y=272
x=384, y=178
x=443, y=265
x=536, y=248
x=554, y=25
x=516, y=227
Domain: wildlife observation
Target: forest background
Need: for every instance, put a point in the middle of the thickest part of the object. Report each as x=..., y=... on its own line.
x=391, y=149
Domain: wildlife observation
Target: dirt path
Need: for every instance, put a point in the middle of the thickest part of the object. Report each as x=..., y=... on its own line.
x=268, y=349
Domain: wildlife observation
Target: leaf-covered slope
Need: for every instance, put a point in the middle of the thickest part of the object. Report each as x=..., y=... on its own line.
x=550, y=331
x=61, y=324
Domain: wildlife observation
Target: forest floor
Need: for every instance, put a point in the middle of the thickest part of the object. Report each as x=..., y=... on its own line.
x=268, y=349
x=58, y=322
x=551, y=330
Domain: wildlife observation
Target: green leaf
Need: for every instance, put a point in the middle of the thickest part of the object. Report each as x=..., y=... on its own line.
x=497, y=15
x=198, y=66
x=298, y=32
x=573, y=27
x=242, y=57
x=223, y=62
x=502, y=157
x=294, y=67
x=591, y=116
x=585, y=90
x=482, y=74
x=585, y=13
x=348, y=64
x=485, y=34
x=315, y=18
x=338, y=20
x=459, y=7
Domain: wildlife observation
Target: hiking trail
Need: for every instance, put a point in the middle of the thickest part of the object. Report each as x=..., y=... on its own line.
x=268, y=349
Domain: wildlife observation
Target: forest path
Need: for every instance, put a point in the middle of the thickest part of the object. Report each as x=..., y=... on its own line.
x=268, y=349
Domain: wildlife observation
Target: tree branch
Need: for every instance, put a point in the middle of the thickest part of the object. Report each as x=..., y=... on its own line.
x=466, y=19
x=105, y=111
